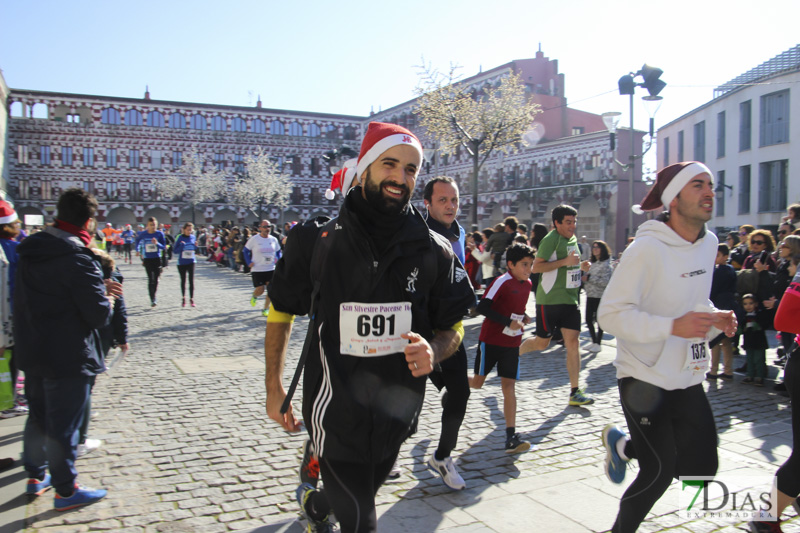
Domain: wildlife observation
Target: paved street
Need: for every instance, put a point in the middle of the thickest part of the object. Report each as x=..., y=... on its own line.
x=188, y=448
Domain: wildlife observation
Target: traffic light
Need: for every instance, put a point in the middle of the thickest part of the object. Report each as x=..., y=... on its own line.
x=651, y=82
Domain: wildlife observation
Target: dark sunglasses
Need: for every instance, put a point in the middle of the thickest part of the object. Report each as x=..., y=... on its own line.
x=758, y=242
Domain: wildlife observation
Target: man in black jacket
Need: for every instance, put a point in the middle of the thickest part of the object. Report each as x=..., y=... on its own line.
x=60, y=301
x=388, y=298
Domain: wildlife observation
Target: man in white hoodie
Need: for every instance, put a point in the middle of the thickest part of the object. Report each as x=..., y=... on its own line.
x=657, y=305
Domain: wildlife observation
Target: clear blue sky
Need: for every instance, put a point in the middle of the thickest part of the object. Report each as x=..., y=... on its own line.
x=348, y=56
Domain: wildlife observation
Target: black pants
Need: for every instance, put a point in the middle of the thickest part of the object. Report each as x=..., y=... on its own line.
x=126, y=251
x=183, y=270
x=452, y=375
x=789, y=472
x=591, y=319
x=153, y=268
x=672, y=434
x=350, y=490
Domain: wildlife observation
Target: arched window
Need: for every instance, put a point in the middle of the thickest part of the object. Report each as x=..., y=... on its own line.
x=238, y=124
x=109, y=116
x=331, y=132
x=176, y=120
x=155, y=119
x=133, y=118
x=219, y=124
x=313, y=130
x=276, y=128
x=39, y=111
x=16, y=109
x=259, y=126
x=295, y=129
x=198, y=122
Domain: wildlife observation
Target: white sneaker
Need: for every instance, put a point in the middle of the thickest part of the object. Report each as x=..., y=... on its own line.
x=89, y=446
x=448, y=471
x=594, y=348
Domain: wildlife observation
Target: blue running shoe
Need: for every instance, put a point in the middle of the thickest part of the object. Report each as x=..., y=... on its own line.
x=615, y=465
x=303, y=492
x=80, y=496
x=37, y=487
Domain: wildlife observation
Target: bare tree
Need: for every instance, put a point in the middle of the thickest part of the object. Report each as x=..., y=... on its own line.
x=482, y=121
x=195, y=181
x=263, y=184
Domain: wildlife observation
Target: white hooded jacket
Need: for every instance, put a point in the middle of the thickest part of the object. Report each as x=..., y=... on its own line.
x=661, y=277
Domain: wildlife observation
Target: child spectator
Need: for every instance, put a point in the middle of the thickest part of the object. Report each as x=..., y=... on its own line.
x=756, y=322
x=503, y=305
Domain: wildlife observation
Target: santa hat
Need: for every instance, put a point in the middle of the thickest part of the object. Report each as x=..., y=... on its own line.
x=669, y=182
x=379, y=138
x=7, y=213
x=342, y=180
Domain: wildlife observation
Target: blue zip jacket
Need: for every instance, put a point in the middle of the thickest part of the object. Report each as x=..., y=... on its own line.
x=188, y=244
x=145, y=238
x=128, y=236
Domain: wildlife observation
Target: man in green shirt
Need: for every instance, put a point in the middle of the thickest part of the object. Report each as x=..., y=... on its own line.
x=557, y=303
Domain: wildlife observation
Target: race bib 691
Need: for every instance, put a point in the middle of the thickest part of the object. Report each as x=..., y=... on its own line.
x=373, y=330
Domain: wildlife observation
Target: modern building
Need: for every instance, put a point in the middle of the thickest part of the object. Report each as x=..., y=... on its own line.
x=118, y=148
x=748, y=138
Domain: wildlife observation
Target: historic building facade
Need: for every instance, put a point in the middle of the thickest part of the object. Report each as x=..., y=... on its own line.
x=118, y=148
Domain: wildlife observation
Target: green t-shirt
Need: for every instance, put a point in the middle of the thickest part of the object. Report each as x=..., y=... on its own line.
x=558, y=286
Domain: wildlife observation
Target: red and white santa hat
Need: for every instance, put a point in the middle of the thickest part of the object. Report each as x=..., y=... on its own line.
x=669, y=182
x=7, y=213
x=379, y=138
x=343, y=179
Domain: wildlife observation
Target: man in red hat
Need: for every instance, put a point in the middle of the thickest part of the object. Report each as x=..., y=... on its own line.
x=385, y=296
x=657, y=305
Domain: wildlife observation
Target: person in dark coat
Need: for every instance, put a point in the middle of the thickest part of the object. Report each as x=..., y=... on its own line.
x=723, y=296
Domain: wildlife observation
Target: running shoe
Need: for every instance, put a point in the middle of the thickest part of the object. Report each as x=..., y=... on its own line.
x=192, y=302
x=765, y=527
x=17, y=410
x=309, y=466
x=88, y=446
x=726, y=377
x=265, y=312
x=447, y=469
x=153, y=303
x=579, y=398
x=183, y=304
x=615, y=465
x=303, y=493
x=80, y=496
x=253, y=301
x=594, y=347
x=748, y=381
x=516, y=445
x=37, y=487
x=711, y=377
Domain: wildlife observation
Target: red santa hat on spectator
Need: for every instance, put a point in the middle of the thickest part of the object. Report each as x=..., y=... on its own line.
x=669, y=182
x=7, y=213
x=342, y=180
x=379, y=138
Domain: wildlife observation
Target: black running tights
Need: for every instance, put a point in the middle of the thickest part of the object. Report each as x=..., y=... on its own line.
x=153, y=269
x=452, y=375
x=789, y=472
x=591, y=319
x=183, y=270
x=672, y=434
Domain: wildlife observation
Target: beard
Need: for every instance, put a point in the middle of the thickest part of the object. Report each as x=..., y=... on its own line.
x=379, y=201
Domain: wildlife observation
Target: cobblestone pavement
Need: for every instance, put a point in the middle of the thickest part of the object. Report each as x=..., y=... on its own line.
x=188, y=447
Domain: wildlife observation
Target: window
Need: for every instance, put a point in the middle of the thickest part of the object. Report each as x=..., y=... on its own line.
x=24, y=189
x=219, y=124
x=44, y=155
x=109, y=115
x=313, y=130
x=680, y=146
x=112, y=190
x=219, y=161
x=744, y=189
x=721, y=134
x=72, y=118
x=198, y=122
x=155, y=119
x=133, y=118
x=700, y=141
x=136, y=191
x=774, y=125
x=111, y=157
x=745, y=125
x=66, y=156
x=349, y=133
x=259, y=126
x=297, y=165
x=47, y=190
x=295, y=129
x=155, y=159
x=331, y=132
x=276, y=128
x=577, y=130
x=238, y=124
x=22, y=154
x=595, y=160
x=666, y=152
x=238, y=163
x=314, y=166
x=176, y=120
x=772, y=186
x=87, y=186
x=88, y=157
x=177, y=159
x=133, y=159
x=721, y=193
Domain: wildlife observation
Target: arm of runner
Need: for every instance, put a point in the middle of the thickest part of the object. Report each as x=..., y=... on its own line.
x=422, y=355
x=485, y=308
x=275, y=343
x=540, y=266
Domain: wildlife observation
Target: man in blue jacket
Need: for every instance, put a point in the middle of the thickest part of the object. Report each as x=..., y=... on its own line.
x=61, y=301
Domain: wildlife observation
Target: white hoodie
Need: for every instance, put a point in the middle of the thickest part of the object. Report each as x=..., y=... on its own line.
x=661, y=277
